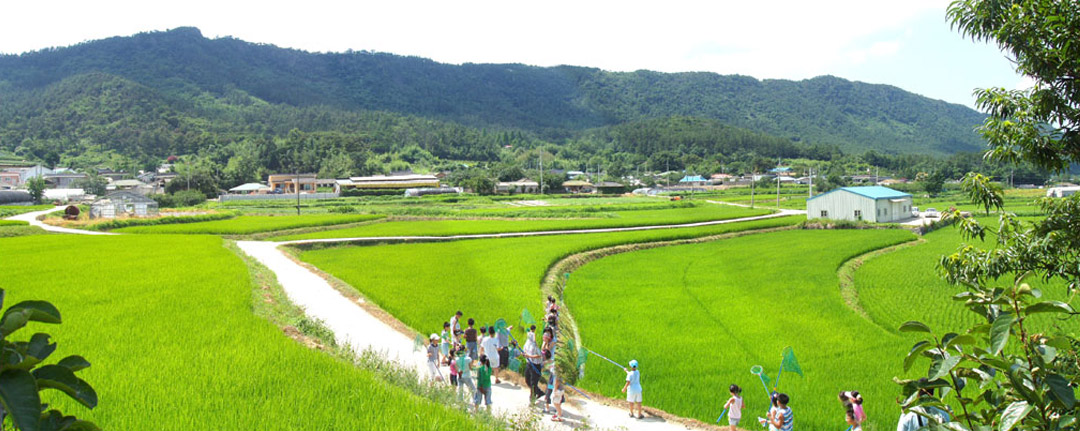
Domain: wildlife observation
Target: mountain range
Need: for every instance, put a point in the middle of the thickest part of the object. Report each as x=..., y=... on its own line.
x=156, y=93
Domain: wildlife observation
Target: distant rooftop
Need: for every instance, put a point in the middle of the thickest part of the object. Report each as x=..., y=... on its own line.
x=872, y=192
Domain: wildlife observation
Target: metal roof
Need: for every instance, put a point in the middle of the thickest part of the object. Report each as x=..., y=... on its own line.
x=692, y=179
x=872, y=192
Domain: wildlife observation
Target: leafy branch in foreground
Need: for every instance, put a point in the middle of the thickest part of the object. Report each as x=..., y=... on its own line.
x=23, y=375
x=1015, y=369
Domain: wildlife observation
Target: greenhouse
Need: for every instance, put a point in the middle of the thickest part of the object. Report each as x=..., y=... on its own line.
x=123, y=204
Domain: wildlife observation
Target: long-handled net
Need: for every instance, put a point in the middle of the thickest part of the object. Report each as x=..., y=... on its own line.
x=787, y=362
x=527, y=317
x=759, y=371
x=418, y=343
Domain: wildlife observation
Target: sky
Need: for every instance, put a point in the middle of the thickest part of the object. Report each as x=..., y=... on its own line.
x=905, y=43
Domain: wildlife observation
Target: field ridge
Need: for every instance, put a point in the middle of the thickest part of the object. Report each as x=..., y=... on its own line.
x=846, y=275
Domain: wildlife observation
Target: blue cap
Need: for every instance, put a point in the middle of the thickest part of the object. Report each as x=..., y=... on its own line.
x=633, y=363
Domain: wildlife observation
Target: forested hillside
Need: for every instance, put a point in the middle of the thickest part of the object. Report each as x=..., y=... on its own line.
x=175, y=92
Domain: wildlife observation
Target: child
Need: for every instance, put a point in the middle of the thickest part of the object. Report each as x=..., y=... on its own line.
x=433, y=358
x=470, y=339
x=453, y=372
x=734, y=406
x=850, y=417
x=780, y=417
x=557, y=397
x=465, y=371
x=483, y=383
x=632, y=388
x=444, y=345
x=490, y=348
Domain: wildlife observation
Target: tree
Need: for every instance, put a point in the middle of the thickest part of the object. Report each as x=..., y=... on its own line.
x=36, y=187
x=933, y=184
x=1010, y=372
x=23, y=374
x=93, y=184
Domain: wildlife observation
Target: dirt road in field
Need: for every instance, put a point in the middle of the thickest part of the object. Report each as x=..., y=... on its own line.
x=32, y=219
x=354, y=326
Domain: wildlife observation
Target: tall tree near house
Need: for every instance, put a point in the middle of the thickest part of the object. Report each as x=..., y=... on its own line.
x=36, y=187
x=1007, y=372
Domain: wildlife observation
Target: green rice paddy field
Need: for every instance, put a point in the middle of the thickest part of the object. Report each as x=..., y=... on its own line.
x=694, y=214
x=698, y=316
x=250, y=224
x=167, y=323
x=422, y=284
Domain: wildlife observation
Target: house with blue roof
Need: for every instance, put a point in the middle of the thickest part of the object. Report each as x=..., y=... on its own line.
x=875, y=204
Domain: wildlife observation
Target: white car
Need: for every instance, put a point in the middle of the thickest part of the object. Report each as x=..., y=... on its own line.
x=931, y=213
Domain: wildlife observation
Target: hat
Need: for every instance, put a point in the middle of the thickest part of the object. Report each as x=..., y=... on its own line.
x=633, y=363
x=434, y=336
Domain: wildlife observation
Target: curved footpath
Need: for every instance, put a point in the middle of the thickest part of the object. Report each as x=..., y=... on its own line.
x=353, y=326
x=32, y=218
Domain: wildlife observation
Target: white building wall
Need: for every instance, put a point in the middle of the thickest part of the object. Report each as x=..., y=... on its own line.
x=842, y=205
x=888, y=211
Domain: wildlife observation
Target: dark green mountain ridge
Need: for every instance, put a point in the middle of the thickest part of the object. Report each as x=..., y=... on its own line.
x=181, y=83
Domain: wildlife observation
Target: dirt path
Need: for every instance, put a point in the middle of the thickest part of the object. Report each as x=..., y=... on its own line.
x=32, y=219
x=355, y=327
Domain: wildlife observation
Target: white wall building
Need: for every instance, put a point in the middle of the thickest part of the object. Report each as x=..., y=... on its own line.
x=874, y=204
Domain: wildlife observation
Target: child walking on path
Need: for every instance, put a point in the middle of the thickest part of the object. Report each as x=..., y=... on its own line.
x=433, y=358
x=734, y=406
x=483, y=383
x=632, y=388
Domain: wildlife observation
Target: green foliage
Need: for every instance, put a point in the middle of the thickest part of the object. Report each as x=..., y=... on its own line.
x=93, y=184
x=1041, y=124
x=23, y=373
x=36, y=187
x=180, y=198
x=13, y=223
x=244, y=225
x=171, y=319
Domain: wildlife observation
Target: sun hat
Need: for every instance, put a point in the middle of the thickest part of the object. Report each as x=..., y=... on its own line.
x=633, y=363
x=434, y=336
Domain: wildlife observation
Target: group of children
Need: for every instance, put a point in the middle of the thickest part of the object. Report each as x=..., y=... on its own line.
x=780, y=416
x=486, y=350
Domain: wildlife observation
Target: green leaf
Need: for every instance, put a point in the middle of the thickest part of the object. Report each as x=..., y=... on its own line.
x=19, y=396
x=942, y=366
x=1061, y=391
x=39, y=346
x=63, y=379
x=1013, y=414
x=962, y=340
x=40, y=311
x=915, y=352
x=1049, y=307
x=999, y=332
x=74, y=363
x=81, y=425
x=914, y=326
x=1048, y=353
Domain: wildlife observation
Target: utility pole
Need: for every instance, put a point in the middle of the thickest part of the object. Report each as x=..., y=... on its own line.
x=752, y=175
x=296, y=184
x=810, y=190
x=541, y=173
x=777, y=190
